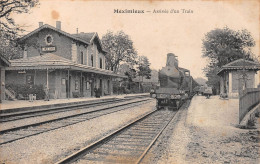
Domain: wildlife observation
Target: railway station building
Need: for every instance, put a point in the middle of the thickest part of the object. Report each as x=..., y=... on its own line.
x=69, y=65
x=238, y=75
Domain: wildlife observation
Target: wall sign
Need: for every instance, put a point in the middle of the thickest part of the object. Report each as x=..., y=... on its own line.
x=48, y=49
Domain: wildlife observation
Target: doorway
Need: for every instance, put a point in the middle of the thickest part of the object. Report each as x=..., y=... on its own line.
x=92, y=88
x=108, y=87
x=100, y=87
x=82, y=86
x=68, y=82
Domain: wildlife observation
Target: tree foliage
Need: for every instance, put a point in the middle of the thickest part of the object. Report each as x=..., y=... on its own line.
x=9, y=48
x=127, y=70
x=222, y=46
x=120, y=48
x=10, y=7
x=143, y=68
x=9, y=30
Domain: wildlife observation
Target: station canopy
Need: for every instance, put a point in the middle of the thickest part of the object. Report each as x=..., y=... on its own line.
x=51, y=61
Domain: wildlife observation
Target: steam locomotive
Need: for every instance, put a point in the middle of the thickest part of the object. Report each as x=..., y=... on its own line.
x=176, y=85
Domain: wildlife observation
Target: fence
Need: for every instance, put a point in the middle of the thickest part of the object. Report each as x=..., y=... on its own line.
x=248, y=99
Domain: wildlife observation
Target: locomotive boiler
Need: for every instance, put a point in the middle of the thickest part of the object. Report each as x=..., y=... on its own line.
x=176, y=84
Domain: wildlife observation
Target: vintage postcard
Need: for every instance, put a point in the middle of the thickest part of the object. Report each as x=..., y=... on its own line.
x=113, y=81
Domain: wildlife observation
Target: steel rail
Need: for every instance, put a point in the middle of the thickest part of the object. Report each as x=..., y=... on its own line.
x=82, y=152
x=22, y=137
x=73, y=157
x=59, y=109
x=56, y=110
x=62, y=118
x=156, y=137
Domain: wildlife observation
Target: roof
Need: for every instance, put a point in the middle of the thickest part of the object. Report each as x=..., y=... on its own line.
x=90, y=37
x=240, y=64
x=6, y=62
x=85, y=38
x=52, y=61
x=46, y=26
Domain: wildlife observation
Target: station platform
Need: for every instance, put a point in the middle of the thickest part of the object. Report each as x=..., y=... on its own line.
x=8, y=106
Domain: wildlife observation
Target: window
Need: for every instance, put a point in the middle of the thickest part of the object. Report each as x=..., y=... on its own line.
x=49, y=39
x=63, y=81
x=81, y=57
x=100, y=63
x=92, y=61
x=76, y=85
x=87, y=85
x=30, y=79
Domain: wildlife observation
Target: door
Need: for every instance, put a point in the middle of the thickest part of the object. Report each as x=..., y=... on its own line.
x=101, y=88
x=92, y=88
x=108, y=87
x=82, y=86
x=68, y=82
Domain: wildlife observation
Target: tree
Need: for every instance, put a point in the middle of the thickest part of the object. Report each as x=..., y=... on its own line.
x=9, y=7
x=9, y=30
x=143, y=69
x=9, y=48
x=120, y=48
x=127, y=70
x=222, y=46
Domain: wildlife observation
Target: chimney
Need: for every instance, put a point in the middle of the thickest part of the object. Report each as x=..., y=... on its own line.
x=58, y=25
x=40, y=24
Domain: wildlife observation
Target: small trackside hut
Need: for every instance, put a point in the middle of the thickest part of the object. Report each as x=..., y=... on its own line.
x=238, y=75
x=69, y=65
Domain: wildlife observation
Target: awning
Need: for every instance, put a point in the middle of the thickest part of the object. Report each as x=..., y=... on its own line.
x=51, y=61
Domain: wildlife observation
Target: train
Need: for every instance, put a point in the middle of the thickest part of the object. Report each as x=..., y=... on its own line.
x=176, y=85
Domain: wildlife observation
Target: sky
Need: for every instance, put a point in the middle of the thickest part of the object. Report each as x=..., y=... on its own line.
x=153, y=34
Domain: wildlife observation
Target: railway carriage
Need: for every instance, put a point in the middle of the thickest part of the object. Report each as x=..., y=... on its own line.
x=176, y=84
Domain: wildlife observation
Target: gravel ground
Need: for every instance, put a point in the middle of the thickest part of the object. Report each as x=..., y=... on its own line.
x=206, y=134
x=54, y=145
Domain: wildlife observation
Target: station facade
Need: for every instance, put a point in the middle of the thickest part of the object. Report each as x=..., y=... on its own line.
x=69, y=65
x=238, y=75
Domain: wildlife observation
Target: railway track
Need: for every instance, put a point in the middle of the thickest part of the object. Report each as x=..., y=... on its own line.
x=129, y=144
x=20, y=132
x=13, y=116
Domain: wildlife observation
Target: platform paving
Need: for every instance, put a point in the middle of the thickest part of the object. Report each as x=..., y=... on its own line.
x=18, y=105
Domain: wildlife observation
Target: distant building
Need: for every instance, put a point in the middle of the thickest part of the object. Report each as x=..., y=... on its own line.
x=3, y=64
x=238, y=75
x=70, y=65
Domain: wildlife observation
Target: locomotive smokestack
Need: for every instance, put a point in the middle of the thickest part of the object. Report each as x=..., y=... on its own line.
x=172, y=60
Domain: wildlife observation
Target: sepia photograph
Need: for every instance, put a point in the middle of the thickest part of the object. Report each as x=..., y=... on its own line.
x=129, y=82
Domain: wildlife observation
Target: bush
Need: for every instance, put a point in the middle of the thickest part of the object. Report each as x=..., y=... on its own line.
x=25, y=90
